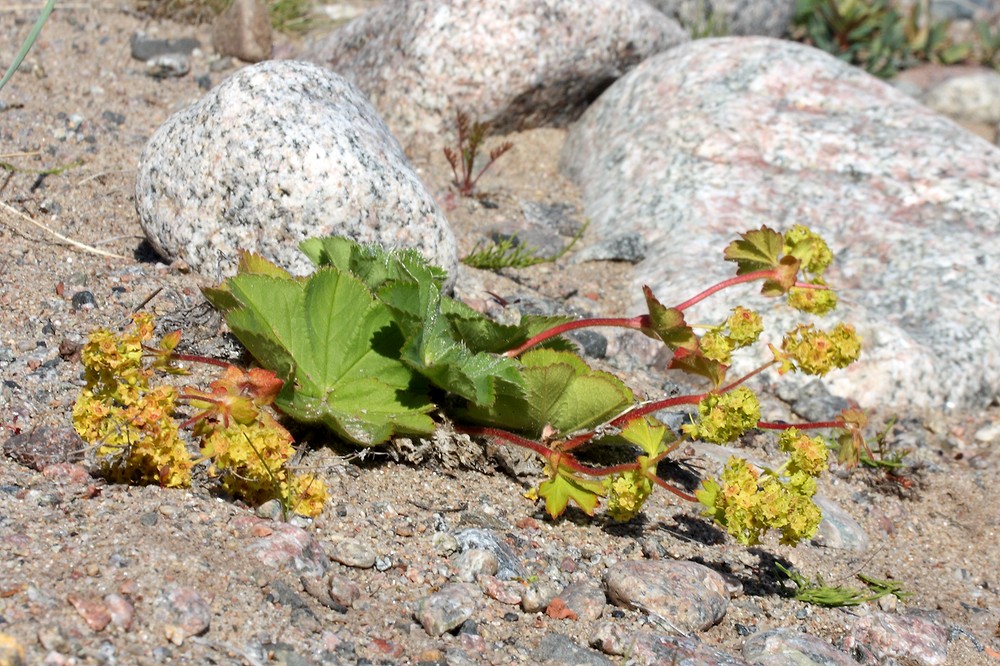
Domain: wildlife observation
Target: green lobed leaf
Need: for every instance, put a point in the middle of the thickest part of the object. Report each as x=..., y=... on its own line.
x=371, y=264
x=561, y=391
x=337, y=349
x=565, y=486
x=668, y=325
x=756, y=250
x=648, y=434
x=696, y=363
x=432, y=350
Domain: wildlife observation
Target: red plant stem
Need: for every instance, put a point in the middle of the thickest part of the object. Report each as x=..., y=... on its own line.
x=673, y=489
x=729, y=387
x=739, y=279
x=815, y=425
x=642, y=321
x=516, y=440
x=572, y=463
x=656, y=406
x=638, y=322
x=190, y=358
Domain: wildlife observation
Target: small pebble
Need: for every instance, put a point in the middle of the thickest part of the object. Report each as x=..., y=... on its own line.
x=560, y=650
x=789, y=646
x=585, y=599
x=693, y=596
x=93, y=611
x=474, y=563
x=189, y=614
x=83, y=299
x=168, y=65
x=448, y=608
x=121, y=610
x=353, y=553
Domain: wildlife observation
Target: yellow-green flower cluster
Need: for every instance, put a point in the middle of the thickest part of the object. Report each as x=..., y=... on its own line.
x=132, y=423
x=742, y=328
x=806, y=454
x=814, y=301
x=253, y=460
x=723, y=418
x=816, y=352
x=626, y=494
x=748, y=503
x=139, y=439
x=808, y=247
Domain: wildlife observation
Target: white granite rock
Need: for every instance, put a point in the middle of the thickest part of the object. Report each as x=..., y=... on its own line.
x=723, y=135
x=516, y=64
x=770, y=18
x=973, y=97
x=277, y=153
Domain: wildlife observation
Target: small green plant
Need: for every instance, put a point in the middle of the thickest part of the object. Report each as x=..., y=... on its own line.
x=702, y=22
x=285, y=15
x=370, y=346
x=819, y=594
x=28, y=42
x=873, y=35
x=134, y=424
x=987, y=45
x=463, y=157
x=508, y=252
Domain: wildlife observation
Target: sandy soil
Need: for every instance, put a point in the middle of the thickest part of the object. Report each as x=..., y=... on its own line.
x=81, y=102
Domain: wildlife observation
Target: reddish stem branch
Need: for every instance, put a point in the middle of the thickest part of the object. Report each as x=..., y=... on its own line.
x=638, y=322
x=739, y=279
x=673, y=489
x=729, y=387
x=816, y=425
x=516, y=440
x=656, y=406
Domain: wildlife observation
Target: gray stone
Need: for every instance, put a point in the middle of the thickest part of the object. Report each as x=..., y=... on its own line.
x=687, y=595
x=184, y=613
x=719, y=136
x=509, y=565
x=838, y=530
x=243, y=31
x=789, y=647
x=280, y=152
x=717, y=18
x=629, y=247
x=474, y=563
x=646, y=648
x=585, y=599
x=447, y=608
x=144, y=47
x=353, y=553
x=556, y=649
x=290, y=545
x=516, y=64
x=168, y=66
x=974, y=97
x=911, y=639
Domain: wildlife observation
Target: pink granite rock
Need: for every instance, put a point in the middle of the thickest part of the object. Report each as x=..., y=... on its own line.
x=723, y=135
x=516, y=64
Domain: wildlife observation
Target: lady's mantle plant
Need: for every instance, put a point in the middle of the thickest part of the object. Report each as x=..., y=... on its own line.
x=370, y=347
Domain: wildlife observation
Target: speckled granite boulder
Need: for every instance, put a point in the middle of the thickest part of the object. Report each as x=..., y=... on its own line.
x=277, y=153
x=517, y=64
x=770, y=18
x=785, y=647
x=690, y=595
x=723, y=135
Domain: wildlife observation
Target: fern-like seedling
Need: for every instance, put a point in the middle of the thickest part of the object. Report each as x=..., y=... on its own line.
x=508, y=252
x=470, y=140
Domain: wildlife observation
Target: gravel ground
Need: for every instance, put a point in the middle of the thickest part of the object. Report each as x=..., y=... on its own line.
x=92, y=573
